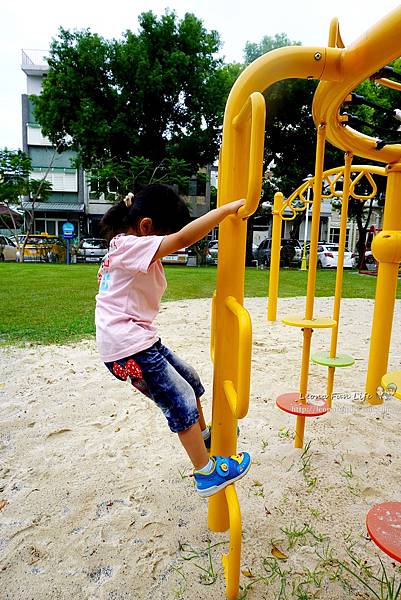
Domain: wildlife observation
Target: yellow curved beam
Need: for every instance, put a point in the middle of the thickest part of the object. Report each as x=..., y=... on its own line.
x=232, y=560
x=377, y=47
x=337, y=172
x=278, y=216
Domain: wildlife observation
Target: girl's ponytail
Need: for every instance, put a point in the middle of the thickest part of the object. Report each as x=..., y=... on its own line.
x=116, y=220
x=129, y=200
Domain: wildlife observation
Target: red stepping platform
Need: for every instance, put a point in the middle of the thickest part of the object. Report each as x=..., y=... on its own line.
x=383, y=522
x=290, y=403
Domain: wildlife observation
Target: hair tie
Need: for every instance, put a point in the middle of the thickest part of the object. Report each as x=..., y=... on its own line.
x=129, y=199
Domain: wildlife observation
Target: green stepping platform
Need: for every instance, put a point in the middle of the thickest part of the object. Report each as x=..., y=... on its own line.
x=341, y=360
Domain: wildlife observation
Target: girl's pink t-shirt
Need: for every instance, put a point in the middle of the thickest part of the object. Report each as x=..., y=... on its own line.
x=130, y=291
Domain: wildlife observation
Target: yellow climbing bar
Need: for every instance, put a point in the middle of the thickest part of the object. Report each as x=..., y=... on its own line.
x=231, y=561
x=238, y=395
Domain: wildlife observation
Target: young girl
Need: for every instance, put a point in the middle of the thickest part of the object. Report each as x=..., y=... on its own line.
x=131, y=283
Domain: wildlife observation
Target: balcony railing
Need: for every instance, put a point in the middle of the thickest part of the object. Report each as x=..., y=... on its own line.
x=34, y=61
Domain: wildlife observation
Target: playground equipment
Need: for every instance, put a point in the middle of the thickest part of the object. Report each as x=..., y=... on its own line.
x=340, y=70
x=351, y=177
x=383, y=523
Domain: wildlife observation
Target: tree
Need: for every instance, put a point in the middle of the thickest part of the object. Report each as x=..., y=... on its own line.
x=156, y=95
x=137, y=171
x=15, y=182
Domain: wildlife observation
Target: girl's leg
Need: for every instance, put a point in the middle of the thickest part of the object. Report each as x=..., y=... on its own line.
x=190, y=375
x=194, y=445
x=202, y=421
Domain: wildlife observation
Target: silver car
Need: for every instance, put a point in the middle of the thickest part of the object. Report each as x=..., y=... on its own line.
x=91, y=250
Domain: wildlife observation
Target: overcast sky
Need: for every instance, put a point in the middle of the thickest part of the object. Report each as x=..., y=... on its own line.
x=33, y=24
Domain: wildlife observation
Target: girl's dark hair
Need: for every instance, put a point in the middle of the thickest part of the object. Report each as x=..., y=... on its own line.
x=168, y=212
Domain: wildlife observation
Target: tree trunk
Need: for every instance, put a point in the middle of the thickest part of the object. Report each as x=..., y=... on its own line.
x=362, y=229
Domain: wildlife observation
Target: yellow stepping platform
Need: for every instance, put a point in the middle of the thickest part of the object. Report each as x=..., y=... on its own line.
x=316, y=323
x=394, y=377
x=340, y=360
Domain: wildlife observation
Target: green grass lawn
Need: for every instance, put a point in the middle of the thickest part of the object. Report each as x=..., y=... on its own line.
x=50, y=303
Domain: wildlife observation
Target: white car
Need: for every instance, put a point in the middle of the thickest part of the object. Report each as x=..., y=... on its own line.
x=327, y=257
x=8, y=249
x=177, y=258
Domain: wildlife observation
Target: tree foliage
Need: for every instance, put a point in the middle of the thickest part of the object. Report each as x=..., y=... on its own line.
x=15, y=180
x=158, y=94
x=15, y=168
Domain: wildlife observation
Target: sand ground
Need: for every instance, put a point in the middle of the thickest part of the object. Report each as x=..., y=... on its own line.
x=99, y=506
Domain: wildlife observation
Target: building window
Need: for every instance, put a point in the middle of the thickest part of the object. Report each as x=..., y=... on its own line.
x=40, y=226
x=61, y=180
x=334, y=236
x=192, y=187
x=51, y=227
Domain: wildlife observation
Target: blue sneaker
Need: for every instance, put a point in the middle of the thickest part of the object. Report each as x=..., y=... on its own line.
x=226, y=470
x=208, y=439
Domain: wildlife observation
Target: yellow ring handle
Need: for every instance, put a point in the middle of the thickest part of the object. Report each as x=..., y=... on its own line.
x=254, y=110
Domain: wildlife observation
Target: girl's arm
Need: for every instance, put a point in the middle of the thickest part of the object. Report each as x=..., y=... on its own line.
x=196, y=230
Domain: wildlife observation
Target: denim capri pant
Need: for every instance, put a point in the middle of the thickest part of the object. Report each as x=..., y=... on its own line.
x=166, y=379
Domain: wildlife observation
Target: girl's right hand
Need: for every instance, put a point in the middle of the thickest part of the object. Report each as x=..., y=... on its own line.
x=233, y=207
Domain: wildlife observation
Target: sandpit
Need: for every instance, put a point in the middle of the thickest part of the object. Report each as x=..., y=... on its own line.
x=96, y=501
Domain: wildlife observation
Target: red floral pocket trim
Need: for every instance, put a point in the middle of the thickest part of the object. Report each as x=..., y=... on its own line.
x=131, y=368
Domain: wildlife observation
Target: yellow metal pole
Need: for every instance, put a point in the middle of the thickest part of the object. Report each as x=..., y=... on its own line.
x=300, y=420
x=310, y=291
x=386, y=248
x=317, y=192
x=340, y=272
x=303, y=263
x=275, y=257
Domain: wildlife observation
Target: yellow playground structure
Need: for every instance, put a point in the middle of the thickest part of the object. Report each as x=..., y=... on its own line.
x=340, y=70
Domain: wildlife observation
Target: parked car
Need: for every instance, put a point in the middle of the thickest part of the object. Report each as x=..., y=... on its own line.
x=290, y=253
x=43, y=248
x=212, y=252
x=91, y=250
x=369, y=264
x=327, y=256
x=177, y=258
x=8, y=249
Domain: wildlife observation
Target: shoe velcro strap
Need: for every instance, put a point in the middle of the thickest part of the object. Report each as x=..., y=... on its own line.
x=223, y=468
